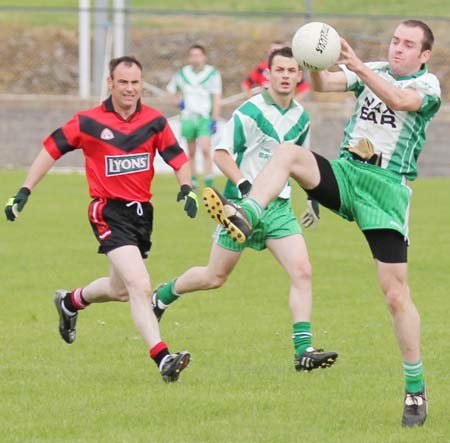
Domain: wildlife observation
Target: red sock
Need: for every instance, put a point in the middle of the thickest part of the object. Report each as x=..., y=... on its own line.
x=76, y=297
x=158, y=352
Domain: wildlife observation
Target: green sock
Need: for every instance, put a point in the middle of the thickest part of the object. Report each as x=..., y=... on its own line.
x=302, y=336
x=167, y=294
x=413, y=376
x=209, y=182
x=253, y=210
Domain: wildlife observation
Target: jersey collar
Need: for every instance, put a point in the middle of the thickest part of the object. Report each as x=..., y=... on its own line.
x=423, y=70
x=269, y=100
x=109, y=107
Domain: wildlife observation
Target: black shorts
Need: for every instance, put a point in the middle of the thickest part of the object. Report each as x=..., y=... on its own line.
x=387, y=245
x=119, y=223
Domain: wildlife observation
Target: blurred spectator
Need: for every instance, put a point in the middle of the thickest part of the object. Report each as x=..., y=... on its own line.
x=197, y=91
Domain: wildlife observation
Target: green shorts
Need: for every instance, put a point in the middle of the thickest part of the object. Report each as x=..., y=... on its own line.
x=374, y=198
x=192, y=128
x=277, y=221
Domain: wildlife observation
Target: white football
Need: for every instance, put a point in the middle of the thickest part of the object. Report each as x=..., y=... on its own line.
x=316, y=46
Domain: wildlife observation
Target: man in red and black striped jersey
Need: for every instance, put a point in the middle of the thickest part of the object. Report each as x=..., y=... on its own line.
x=119, y=140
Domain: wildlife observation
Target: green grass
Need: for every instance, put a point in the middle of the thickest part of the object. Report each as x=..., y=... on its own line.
x=401, y=7
x=241, y=386
x=407, y=8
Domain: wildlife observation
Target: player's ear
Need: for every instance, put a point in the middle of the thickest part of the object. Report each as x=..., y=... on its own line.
x=425, y=56
x=266, y=73
x=110, y=83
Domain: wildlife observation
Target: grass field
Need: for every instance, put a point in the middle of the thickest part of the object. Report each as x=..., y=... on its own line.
x=407, y=8
x=383, y=7
x=241, y=385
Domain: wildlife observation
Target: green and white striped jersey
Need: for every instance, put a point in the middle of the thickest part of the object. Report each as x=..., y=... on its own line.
x=398, y=135
x=256, y=128
x=197, y=88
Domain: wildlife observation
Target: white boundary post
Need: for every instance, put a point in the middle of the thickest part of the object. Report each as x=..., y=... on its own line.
x=101, y=28
x=84, y=49
x=107, y=56
x=119, y=27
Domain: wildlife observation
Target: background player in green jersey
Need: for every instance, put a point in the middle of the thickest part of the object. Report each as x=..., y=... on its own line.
x=197, y=89
x=367, y=184
x=246, y=145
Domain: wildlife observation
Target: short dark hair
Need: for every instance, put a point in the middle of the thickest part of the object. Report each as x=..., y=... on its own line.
x=286, y=51
x=129, y=60
x=428, y=37
x=197, y=46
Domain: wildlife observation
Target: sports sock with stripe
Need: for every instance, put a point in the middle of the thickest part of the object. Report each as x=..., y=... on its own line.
x=413, y=376
x=253, y=210
x=74, y=301
x=158, y=352
x=301, y=336
x=167, y=294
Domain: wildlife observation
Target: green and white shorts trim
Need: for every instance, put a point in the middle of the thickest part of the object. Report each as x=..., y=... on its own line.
x=277, y=221
x=194, y=127
x=373, y=197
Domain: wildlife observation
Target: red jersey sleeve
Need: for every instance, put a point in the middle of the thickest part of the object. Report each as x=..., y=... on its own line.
x=303, y=86
x=64, y=139
x=169, y=148
x=256, y=77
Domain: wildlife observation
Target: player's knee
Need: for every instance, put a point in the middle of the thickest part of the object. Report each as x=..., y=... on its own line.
x=120, y=294
x=216, y=280
x=396, y=296
x=288, y=154
x=302, y=272
x=139, y=287
x=287, y=150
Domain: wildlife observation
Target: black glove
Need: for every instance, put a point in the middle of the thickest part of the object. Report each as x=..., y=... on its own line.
x=310, y=218
x=190, y=200
x=15, y=204
x=244, y=187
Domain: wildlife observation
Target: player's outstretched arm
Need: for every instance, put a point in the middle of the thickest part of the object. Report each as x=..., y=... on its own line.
x=326, y=81
x=39, y=168
x=394, y=97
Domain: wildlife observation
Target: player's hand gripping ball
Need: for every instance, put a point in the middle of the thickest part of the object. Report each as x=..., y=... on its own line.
x=316, y=46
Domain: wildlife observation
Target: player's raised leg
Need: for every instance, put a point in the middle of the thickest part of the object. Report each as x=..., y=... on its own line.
x=287, y=161
x=292, y=254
